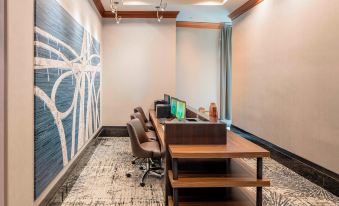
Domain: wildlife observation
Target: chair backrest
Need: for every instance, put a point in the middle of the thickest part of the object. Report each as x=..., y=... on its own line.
x=139, y=116
x=138, y=136
x=141, y=111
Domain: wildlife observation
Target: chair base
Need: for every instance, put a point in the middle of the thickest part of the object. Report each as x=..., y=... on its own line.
x=154, y=169
x=151, y=168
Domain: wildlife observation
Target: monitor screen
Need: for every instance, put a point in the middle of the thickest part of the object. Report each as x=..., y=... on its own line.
x=181, y=110
x=167, y=98
x=173, y=106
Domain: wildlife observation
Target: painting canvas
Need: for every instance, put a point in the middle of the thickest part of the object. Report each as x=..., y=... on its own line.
x=67, y=90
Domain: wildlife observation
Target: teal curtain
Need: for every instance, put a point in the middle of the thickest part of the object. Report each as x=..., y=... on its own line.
x=226, y=74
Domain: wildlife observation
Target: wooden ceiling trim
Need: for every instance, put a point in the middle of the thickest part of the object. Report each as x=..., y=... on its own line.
x=140, y=14
x=172, y=14
x=199, y=25
x=132, y=14
x=99, y=6
x=244, y=8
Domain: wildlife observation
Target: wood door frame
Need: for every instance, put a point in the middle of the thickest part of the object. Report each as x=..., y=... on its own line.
x=2, y=99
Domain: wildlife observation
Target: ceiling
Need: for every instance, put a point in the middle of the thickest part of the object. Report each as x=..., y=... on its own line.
x=190, y=10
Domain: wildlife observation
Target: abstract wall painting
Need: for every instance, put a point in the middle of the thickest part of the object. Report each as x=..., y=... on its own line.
x=67, y=87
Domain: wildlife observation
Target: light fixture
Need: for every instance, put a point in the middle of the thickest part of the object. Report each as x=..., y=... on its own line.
x=114, y=8
x=160, y=10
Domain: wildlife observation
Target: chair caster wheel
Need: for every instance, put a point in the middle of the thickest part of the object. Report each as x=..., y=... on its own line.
x=141, y=168
x=142, y=184
x=133, y=162
x=128, y=175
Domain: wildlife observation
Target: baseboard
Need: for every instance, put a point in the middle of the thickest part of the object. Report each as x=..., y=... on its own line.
x=114, y=131
x=315, y=173
x=63, y=178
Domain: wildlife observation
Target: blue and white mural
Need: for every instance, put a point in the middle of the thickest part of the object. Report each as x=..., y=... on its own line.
x=67, y=90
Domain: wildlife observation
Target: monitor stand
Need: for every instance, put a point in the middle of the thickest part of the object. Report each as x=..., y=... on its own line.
x=175, y=120
x=192, y=119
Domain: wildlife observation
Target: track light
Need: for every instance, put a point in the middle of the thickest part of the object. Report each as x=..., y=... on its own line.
x=160, y=10
x=114, y=8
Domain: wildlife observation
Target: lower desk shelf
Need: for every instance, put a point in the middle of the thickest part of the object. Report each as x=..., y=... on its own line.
x=182, y=175
x=239, y=175
x=238, y=197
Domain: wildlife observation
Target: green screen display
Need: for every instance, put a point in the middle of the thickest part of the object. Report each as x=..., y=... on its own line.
x=181, y=110
x=173, y=106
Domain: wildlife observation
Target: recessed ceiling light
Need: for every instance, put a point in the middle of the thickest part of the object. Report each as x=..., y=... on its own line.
x=136, y=3
x=211, y=3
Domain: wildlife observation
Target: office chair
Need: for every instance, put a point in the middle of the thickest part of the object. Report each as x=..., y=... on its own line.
x=149, y=124
x=150, y=134
x=142, y=148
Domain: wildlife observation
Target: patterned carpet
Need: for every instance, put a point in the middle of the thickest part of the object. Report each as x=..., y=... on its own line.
x=99, y=179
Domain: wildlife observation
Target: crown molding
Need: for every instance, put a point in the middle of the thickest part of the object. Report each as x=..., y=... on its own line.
x=140, y=14
x=244, y=8
x=99, y=6
x=132, y=14
x=199, y=25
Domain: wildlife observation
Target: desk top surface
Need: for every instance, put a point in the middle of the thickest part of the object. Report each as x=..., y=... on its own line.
x=158, y=127
x=236, y=147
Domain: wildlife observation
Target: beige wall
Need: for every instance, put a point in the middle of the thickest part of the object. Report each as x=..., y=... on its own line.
x=2, y=102
x=139, y=66
x=198, y=66
x=285, y=76
x=20, y=138
x=20, y=81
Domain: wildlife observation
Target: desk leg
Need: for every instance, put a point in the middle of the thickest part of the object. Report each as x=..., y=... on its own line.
x=259, y=168
x=259, y=176
x=259, y=196
x=175, y=197
x=228, y=165
x=175, y=168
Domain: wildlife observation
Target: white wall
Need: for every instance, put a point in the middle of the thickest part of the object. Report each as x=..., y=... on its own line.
x=285, y=70
x=139, y=66
x=198, y=66
x=20, y=82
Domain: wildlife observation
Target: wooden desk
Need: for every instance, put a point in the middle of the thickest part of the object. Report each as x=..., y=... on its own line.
x=237, y=174
x=236, y=147
x=158, y=129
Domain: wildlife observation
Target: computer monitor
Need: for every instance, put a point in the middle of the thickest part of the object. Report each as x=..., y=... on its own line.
x=167, y=98
x=174, y=106
x=181, y=110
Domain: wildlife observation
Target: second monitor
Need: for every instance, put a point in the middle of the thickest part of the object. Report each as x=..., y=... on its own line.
x=178, y=108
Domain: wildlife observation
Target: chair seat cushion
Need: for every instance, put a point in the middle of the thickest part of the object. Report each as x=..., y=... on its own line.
x=152, y=147
x=151, y=135
x=150, y=126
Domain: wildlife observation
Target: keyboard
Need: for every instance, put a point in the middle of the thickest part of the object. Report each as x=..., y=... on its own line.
x=162, y=120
